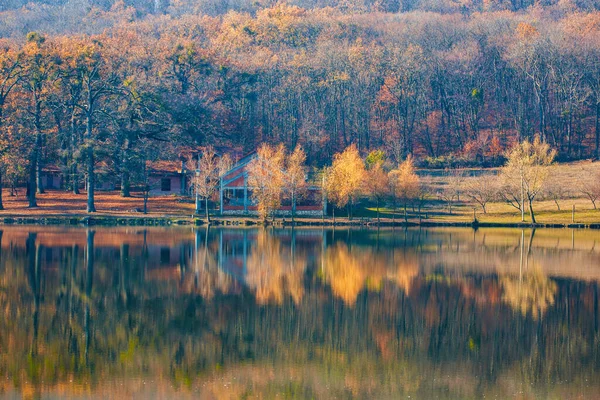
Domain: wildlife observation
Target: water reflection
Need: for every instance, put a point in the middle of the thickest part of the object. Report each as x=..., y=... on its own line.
x=228, y=313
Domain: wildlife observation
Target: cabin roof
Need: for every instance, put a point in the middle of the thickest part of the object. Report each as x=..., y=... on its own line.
x=233, y=176
x=51, y=169
x=164, y=167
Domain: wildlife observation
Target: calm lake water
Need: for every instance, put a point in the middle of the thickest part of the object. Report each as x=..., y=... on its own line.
x=305, y=313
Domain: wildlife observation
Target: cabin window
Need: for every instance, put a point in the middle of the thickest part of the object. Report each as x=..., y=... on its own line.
x=165, y=184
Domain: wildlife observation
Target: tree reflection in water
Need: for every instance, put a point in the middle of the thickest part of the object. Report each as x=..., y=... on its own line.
x=301, y=313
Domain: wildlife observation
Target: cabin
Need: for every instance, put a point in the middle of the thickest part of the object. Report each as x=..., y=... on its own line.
x=167, y=178
x=52, y=177
x=236, y=195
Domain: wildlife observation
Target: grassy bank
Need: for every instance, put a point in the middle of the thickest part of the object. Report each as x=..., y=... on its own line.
x=61, y=208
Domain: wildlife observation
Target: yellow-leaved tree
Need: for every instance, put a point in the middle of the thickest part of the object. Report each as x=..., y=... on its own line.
x=345, y=179
x=266, y=177
x=295, y=177
x=377, y=184
x=526, y=170
x=404, y=182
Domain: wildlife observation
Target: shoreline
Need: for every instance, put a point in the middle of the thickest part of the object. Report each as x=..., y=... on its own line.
x=181, y=220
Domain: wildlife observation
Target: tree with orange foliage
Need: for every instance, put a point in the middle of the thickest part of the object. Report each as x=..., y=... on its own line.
x=345, y=179
x=99, y=83
x=36, y=82
x=377, y=183
x=405, y=183
x=295, y=176
x=266, y=177
x=10, y=70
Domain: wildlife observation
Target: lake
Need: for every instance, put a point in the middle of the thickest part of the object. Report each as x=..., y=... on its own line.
x=441, y=313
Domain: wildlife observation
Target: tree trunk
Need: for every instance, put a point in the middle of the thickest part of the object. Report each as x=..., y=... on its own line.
x=531, y=212
x=350, y=210
x=125, y=182
x=146, y=191
x=38, y=159
x=333, y=213
x=91, y=176
x=1, y=204
x=32, y=181
x=74, y=177
x=598, y=130
x=378, y=221
x=38, y=174
x=206, y=210
x=293, y=208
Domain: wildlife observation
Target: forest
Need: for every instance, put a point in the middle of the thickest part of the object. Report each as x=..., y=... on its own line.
x=102, y=86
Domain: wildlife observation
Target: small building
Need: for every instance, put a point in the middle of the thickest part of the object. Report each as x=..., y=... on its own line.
x=167, y=177
x=236, y=195
x=51, y=177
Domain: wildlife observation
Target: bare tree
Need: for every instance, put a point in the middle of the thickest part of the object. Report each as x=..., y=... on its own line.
x=481, y=190
x=205, y=180
x=556, y=190
x=452, y=190
x=589, y=186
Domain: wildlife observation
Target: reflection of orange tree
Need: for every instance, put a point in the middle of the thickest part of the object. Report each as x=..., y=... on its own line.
x=349, y=271
x=532, y=293
x=274, y=270
x=345, y=273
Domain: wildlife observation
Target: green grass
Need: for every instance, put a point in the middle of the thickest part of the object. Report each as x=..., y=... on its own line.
x=546, y=212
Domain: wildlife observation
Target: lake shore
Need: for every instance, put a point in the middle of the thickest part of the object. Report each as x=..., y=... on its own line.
x=63, y=208
x=104, y=219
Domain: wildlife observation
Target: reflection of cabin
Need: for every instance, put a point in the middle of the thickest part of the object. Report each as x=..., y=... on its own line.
x=236, y=195
x=236, y=247
x=167, y=177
